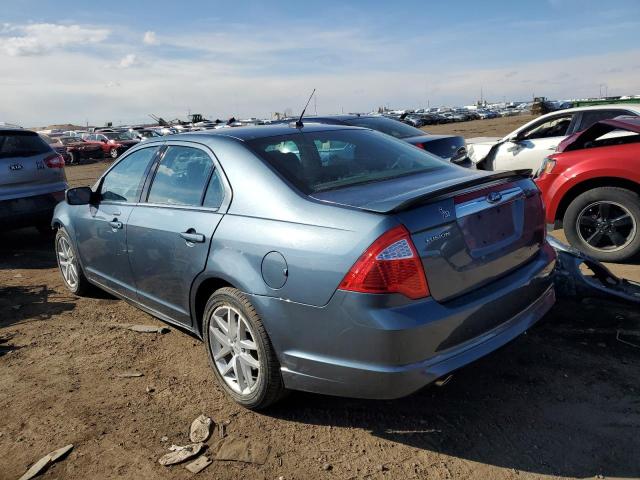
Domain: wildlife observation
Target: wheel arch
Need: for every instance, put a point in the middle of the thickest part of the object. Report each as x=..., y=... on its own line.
x=590, y=184
x=203, y=288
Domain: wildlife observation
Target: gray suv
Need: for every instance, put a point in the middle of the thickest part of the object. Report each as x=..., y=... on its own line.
x=32, y=179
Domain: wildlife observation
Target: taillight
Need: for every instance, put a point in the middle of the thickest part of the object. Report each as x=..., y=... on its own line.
x=390, y=265
x=419, y=145
x=54, y=161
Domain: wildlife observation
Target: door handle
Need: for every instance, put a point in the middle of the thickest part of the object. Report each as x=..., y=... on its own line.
x=115, y=224
x=192, y=236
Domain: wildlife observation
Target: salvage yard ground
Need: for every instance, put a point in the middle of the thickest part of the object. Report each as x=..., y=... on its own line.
x=563, y=400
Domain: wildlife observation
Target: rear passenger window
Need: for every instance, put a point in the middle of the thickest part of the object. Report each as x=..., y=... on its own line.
x=215, y=192
x=124, y=181
x=181, y=177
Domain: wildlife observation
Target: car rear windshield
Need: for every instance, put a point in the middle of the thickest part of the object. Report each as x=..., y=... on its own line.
x=118, y=136
x=21, y=144
x=327, y=160
x=392, y=127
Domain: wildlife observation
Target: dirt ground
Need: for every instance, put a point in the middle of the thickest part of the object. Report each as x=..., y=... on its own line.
x=560, y=401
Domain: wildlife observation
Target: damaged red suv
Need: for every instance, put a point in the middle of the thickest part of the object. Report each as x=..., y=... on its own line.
x=591, y=188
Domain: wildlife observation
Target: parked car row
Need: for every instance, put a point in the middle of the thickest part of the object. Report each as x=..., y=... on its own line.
x=361, y=229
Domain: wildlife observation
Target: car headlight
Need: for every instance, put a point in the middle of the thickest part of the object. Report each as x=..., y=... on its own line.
x=548, y=165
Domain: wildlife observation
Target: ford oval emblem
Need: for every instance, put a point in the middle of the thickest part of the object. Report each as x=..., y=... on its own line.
x=494, y=197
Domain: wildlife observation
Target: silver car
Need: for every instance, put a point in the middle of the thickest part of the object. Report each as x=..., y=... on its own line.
x=32, y=179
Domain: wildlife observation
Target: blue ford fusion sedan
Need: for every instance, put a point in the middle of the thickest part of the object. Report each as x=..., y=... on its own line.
x=323, y=258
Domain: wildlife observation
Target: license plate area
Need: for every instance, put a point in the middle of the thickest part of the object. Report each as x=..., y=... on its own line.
x=488, y=227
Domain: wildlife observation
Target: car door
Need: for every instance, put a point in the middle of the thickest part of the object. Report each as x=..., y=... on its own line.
x=170, y=232
x=101, y=230
x=533, y=144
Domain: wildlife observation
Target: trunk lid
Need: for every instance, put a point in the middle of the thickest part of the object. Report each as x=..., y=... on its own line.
x=468, y=231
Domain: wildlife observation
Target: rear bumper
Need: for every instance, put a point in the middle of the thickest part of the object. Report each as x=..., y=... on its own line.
x=29, y=211
x=367, y=347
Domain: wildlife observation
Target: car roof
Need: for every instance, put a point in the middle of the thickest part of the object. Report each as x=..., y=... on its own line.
x=11, y=128
x=607, y=106
x=261, y=131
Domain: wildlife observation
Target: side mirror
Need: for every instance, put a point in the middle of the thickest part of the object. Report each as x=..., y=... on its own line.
x=78, y=196
x=518, y=137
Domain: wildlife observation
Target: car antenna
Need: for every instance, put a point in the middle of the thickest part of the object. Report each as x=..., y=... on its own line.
x=299, y=123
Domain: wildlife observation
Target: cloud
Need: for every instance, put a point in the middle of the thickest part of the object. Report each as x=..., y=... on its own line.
x=150, y=38
x=43, y=38
x=129, y=60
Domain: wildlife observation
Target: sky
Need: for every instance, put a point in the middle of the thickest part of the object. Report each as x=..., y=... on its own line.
x=94, y=62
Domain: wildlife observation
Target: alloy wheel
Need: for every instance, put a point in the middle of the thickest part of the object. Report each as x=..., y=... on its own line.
x=235, y=352
x=67, y=262
x=606, y=226
x=114, y=153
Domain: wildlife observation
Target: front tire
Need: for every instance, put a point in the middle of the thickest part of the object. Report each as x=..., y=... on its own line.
x=69, y=265
x=240, y=351
x=604, y=223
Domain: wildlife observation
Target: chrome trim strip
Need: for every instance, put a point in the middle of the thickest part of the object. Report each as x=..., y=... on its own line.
x=481, y=203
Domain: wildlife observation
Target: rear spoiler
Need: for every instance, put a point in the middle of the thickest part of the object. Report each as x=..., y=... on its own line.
x=463, y=187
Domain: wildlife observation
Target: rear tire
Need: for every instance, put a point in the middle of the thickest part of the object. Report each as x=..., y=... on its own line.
x=69, y=265
x=604, y=223
x=225, y=349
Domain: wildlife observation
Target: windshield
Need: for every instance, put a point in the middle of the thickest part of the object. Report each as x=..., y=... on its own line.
x=67, y=140
x=326, y=160
x=389, y=126
x=118, y=136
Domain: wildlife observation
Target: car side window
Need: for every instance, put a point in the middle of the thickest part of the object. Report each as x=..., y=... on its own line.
x=554, y=127
x=181, y=177
x=124, y=181
x=589, y=117
x=215, y=191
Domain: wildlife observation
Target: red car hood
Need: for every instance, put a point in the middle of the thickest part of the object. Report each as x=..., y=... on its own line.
x=579, y=139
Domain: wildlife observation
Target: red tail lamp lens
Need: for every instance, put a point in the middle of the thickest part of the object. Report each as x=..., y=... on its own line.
x=390, y=265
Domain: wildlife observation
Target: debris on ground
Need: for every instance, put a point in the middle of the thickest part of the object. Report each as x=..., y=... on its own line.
x=241, y=450
x=200, y=429
x=179, y=454
x=619, y=333
x=45, y=461
x=327, y=466
x=141, y=328
x=130, y=374
x=222, y=428
x=147, y=329
x=198, y=464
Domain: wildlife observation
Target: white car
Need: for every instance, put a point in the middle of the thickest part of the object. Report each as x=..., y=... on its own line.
x=527, y=147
